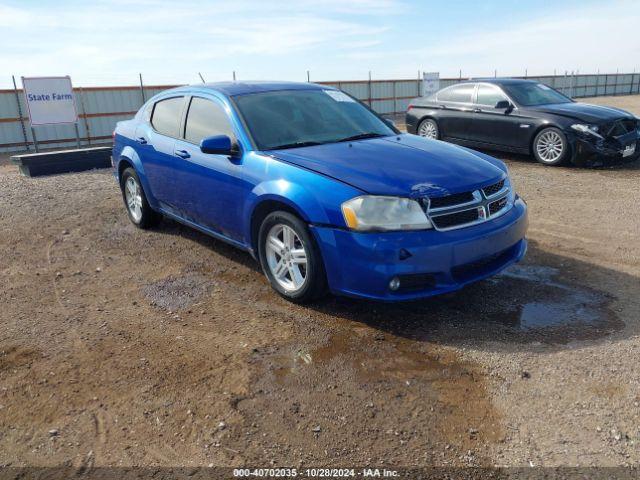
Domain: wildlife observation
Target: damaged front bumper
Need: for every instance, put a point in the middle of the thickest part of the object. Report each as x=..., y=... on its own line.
x=590, y=150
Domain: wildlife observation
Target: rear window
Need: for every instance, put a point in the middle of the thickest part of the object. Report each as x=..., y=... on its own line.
x=457, y=93
x=166, y=116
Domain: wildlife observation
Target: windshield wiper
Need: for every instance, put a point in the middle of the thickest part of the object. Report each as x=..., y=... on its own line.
x=295, y=145
x=361, y=136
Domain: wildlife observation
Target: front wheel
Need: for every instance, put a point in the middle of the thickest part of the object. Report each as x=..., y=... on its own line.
x=550, y=147
x=290, y=258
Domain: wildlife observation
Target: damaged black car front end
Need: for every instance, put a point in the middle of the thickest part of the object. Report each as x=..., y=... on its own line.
x=607, y=143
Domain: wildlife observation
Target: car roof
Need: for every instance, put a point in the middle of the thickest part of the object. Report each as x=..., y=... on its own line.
x=499, y=81
x=232, y=89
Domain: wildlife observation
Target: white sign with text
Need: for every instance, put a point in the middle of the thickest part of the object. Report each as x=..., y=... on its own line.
x=50, y=100
x=430, y=83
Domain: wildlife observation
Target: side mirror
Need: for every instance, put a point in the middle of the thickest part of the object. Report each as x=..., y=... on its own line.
x=218, y=145
x=506, y=104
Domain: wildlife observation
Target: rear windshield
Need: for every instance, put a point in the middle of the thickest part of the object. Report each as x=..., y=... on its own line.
x=531, y=94
x=291, y=118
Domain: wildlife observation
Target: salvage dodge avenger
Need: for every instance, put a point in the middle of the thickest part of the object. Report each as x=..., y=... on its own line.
x=323, y=192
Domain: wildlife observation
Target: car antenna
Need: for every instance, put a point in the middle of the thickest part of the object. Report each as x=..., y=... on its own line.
x=201, y=77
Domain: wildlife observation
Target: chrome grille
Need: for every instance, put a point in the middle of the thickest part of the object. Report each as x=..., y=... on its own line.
x=456, y=219
x=469, y=208
x=449, y=200
x=493, y=189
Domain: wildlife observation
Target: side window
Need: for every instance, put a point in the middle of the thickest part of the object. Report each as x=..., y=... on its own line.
x=166, y=116
x=206, y=119
x=458, y=93
x=489, y=95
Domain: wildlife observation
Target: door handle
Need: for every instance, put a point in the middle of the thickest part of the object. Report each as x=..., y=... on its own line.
x=477, y=110
x=182, y=153
x=141, y=140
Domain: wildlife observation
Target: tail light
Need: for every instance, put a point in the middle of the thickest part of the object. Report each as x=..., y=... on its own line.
x=409, y=107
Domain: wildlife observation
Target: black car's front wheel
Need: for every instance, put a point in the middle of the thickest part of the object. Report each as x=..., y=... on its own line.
x=290, y=258
x=428, y=128
x=550, y=146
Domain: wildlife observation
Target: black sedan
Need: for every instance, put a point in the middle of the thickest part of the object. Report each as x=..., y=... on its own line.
x=527, y=117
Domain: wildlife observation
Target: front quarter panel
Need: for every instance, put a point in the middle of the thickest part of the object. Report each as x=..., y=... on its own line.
x=315, y=197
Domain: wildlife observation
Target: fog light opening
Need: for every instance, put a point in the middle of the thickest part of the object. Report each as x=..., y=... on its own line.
x=394, y=284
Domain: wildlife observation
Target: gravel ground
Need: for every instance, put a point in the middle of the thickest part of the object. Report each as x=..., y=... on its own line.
x=168, y=348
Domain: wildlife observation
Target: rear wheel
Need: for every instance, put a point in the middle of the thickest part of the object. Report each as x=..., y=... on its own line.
x=428, y=128
x=550, y=147
x=140, y=212
x=290, y=258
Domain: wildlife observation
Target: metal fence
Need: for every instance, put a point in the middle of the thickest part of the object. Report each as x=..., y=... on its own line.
x=100, y=108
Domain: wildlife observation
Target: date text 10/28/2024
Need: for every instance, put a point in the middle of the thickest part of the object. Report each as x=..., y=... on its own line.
x=315, y=472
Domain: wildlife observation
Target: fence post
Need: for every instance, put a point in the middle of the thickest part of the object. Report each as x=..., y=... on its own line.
x=370, y=89
x=24, y=130
x=395, y=100
x=84, y=115
x=418, y=85
x=142, y=89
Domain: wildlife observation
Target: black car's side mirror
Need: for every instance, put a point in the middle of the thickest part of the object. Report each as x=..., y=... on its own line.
x=506, y=104
x=218, y=145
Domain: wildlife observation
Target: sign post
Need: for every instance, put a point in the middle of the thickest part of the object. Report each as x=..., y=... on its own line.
x=430, y=83
x=50, y=101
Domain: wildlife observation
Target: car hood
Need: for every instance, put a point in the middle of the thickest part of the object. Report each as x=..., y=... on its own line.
x=584, y=112
x=405, y=165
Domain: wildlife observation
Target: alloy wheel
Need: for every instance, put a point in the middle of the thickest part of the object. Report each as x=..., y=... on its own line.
x=286, y=257
x=428, y=129
x=133, y=196
x=550, y=146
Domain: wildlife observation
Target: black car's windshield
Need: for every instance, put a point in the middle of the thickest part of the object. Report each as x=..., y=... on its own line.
x=298, y=118
x=531, y=94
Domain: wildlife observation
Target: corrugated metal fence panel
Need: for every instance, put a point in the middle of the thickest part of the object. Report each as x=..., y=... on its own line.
x=101, y=108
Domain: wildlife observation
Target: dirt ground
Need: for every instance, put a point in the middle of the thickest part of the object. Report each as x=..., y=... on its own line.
x=167, y=348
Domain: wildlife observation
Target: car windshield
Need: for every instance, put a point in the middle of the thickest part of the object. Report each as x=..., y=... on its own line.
x=531, y=94
x=298, y=118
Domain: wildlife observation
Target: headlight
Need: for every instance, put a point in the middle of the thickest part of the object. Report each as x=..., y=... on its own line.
x=583, y=128
x=384, y=213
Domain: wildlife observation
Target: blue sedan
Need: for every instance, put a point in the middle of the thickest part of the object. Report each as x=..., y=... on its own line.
x=325, y=194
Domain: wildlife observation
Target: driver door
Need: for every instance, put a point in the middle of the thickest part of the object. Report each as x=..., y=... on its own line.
x=212, y=187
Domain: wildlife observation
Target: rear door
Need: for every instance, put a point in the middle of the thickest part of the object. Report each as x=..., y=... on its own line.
x=156, y=140
x=211, y=187
x=496, y=126
x=456, y=104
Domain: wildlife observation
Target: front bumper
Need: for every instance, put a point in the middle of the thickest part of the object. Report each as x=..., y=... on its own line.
x=432, y=262
x=590, y=151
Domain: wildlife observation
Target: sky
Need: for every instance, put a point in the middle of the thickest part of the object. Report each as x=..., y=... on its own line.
x=111, y=42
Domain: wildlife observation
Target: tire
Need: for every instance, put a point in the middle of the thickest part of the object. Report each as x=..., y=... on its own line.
x=135, y=201
x=428, y=128
x=281, y=234
x=550, y=146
